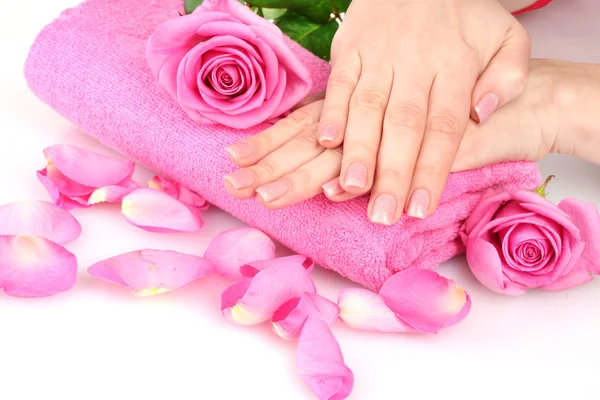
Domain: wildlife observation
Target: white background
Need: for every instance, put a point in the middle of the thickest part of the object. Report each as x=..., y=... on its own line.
x=99, y=342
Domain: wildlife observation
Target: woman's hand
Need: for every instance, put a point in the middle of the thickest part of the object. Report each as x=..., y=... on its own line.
x=404, y=76
x=552, y=115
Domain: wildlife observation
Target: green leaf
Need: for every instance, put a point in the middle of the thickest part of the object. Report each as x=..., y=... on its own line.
x=191, y=5
x=273, y=13
x=320, y=13
x=314, y=37
x=284, y=3
x=340, y=6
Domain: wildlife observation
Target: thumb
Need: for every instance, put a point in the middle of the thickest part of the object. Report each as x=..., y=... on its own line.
x=505, y=77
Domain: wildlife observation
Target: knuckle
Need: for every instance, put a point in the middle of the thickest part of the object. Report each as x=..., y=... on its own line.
x=516, y=77
x=446, y=125
x=302, y=178
x=370, y=100
x=427, y=170
x=307, y=139
x=390, y=178
x=300, y=117
x=407, y=116
x=341, y=80
x=265, y=170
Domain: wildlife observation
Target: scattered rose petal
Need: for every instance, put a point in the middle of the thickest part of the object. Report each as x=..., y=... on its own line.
x=180, y=192
x=425, y=300
x=155, y=211
x=254, y=267
x=365, y=310
x=320, y=362
x=289, y=319
x=39, y=218
x=150, y=272
x=577, y=276
x=231, y=249
x=113, y=193
x=32, y=266
x=88, y=168
x=255, y=300
x=57, y=197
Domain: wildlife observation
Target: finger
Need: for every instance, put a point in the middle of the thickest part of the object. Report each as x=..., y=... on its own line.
x=309, y=99
x=340, y=87
x=403, y=131
x=446, y=122
x=363, y=132
x=250, y=150
x=296, y=152
x=335, y=192
x=303, y=183
x=505, y=78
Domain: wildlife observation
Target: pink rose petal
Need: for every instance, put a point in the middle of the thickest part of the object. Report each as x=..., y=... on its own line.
x=255, y=300
x=39, y=218
x=32, y=266
x=252, y=268
x=231, y=249
x=577, y=276
x=586, y=217
x=113, y=193
x=289, y=319
x=87, y=167
x=57, y=197
x=365, y=310
x=155, y=211
x=180, y=192
x=425, y=300
x=150, y=272
x=320, y=362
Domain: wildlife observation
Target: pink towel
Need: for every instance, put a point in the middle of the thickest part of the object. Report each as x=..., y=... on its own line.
x=89, y=65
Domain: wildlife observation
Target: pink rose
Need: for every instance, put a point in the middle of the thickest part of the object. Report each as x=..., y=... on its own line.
x=225, y=64
x=517, y=241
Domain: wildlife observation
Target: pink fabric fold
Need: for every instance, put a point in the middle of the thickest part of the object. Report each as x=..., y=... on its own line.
x=90, y=66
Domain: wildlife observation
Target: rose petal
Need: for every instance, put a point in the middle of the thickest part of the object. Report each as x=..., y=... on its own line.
x=320, y=362
x=425, y=300
x=365, y=310
x=155, y=211
x=252, y=268
x=485, y=263
x=58, y=198
x=577, y=276
x=112, y=194
x=231, y=249
x=264, y=294
x=87, y=167
x=150, y=271
x=586, y=217
x=32, y=266
x=180, y=192
x=39, y=218
x=289, y=319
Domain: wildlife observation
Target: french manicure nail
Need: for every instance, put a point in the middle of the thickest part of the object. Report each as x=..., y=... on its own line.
x=384, y=209
x=240, y=150
x=273, y=191
x=356, y=175
x=333, y=188
x=240, y=179
x=418, y=206
x=486, y=107
x=328, y=133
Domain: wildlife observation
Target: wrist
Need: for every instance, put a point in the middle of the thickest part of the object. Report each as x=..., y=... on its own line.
x=577, y=102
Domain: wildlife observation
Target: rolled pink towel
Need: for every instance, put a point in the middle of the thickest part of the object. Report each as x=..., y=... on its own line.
x=90, y=66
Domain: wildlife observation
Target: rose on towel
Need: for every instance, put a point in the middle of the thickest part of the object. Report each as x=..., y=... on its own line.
x=517, y=241
x=225, y=64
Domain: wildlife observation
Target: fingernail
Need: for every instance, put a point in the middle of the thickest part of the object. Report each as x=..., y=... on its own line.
x=486, y=107
x=356, y=175
x=328, y=133
x=273, y=191
x=384, y=209
x=240, y=179
x=333, y=188
x=240, y=150
x=419, y=203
